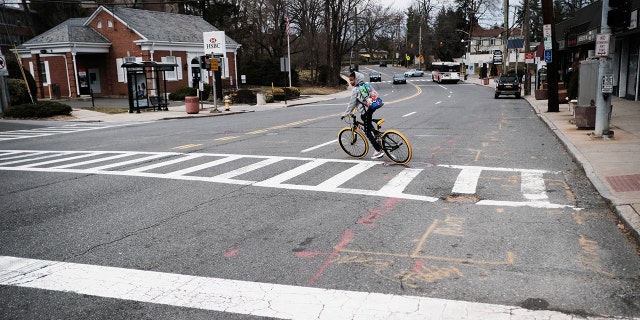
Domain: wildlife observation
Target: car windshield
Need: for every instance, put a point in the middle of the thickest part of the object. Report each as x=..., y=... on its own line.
x=508, y=78
x=399, y=75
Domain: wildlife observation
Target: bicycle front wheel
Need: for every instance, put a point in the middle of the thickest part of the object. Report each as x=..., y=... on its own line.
x=353, y=142
x=396, y=147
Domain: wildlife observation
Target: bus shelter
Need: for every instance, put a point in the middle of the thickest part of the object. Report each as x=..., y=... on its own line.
x=144, y=85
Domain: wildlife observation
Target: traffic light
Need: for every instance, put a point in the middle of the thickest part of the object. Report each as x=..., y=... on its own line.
x=619, y=16
x=205, y=63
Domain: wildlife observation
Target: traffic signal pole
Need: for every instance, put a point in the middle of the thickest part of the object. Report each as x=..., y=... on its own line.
x=605, y=76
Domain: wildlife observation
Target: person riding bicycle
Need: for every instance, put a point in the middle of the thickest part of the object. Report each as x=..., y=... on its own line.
x=356, y=79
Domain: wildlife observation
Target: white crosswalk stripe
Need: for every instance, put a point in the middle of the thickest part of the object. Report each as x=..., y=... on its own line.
x=49, y=131
x=244, y=297
x=150, y=164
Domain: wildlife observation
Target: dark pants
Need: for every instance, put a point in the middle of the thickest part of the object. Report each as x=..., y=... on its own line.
x=368, y=127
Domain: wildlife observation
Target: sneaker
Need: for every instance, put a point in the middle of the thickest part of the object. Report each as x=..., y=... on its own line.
x=377, y=154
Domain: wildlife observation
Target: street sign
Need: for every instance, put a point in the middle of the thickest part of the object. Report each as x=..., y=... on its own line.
x=546, y=31
x=547, y=55
x=602, y=44
x=214, y=42
x=607, y=83
x=497, y=57
x=214, y=64
x=529, y=57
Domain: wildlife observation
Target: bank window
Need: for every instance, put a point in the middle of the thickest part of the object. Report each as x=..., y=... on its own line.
x=170, y=75
x=44, y=72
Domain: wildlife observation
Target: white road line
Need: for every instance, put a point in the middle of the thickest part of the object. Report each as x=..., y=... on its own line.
x=532, y=186
x=244, y=297
x=319, y=146
x=408, y=114
x=439, y=102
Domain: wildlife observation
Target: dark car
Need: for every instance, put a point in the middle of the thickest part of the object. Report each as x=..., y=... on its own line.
x=508, y=85
x=383, y=63
x=375, y=76
x=399, y=78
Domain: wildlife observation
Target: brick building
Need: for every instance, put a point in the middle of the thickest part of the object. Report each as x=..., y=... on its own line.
x=84, y=56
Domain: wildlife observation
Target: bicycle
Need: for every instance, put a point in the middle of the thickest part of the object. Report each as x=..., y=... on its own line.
x=354, y=142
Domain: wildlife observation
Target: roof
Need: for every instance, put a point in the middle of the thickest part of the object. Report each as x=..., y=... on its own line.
x=163, y=26
x=479, y=32
x=150, y=25
x=72, y=30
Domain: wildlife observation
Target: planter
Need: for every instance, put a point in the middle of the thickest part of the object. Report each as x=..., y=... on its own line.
x=191, y=104
x=541, y=94
x=485, y=81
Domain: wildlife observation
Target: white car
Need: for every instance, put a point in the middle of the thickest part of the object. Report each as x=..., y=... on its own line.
x=414, y=73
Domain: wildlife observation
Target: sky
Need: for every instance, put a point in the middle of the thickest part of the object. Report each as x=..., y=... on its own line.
x=488, y=21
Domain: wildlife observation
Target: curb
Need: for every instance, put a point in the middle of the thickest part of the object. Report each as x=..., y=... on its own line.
x=625, y=212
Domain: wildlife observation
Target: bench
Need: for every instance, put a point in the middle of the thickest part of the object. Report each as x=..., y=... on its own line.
x=158, y=102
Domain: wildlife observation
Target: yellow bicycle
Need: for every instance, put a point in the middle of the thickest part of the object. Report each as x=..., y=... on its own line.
x=354, y=142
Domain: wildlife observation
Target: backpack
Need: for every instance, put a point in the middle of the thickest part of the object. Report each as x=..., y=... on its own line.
x=371, y=96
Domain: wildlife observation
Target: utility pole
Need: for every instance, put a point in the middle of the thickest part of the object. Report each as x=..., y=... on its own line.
x=603, y=100
x=552, y=69
x=505, y=52
x=525, y=30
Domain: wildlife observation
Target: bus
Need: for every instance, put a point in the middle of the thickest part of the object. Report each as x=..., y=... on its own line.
x=445, y=72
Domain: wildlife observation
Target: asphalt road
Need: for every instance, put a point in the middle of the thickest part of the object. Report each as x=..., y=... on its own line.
x=491, y=210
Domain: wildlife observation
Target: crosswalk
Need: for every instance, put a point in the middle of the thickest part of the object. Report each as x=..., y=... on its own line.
x=48, y=131
x=293, y=173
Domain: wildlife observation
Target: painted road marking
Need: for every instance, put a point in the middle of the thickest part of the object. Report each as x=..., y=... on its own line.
x=409, y=114
x=319, y=146
x=49, y=131
x=244, y=297
x=141, y=164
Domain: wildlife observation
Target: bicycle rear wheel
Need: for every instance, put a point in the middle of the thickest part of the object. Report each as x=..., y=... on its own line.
x=353, y=142
x=396, y=146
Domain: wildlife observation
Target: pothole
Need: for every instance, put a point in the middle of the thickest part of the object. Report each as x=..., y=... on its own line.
x=471, y=198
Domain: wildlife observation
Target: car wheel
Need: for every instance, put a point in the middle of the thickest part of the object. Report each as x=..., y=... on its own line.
x=496, y=95
x=517, y=95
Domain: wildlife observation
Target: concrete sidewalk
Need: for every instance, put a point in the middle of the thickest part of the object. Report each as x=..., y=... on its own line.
x=177, y=110
x=612, y=164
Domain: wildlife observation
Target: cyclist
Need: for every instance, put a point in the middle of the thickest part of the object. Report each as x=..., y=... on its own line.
x=356, y=79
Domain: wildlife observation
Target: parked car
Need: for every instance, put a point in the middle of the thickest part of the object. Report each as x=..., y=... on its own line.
x=383, y=63
x=375, y=76
x=399, y=78
x=414, y=73
x=508, y=84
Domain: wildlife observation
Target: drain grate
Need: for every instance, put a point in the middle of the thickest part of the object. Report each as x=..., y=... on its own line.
x=625, y=183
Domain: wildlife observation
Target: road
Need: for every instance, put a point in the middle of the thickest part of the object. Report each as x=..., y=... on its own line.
x=261, y=215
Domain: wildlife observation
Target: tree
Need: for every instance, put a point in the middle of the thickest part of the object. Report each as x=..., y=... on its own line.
x=52, y=13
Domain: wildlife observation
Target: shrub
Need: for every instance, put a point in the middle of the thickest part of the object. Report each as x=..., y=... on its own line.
x=285, y=93
x=244, y=96
x=42, y=109
x=181, y=92
x=18, y=93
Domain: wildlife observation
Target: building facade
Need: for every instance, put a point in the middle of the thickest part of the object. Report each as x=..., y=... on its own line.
x=84, y=56
x=576, y=39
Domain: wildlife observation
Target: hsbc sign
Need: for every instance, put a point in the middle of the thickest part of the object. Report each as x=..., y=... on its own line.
x=214, y=42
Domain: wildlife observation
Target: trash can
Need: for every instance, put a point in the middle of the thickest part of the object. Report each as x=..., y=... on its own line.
x=191, y=104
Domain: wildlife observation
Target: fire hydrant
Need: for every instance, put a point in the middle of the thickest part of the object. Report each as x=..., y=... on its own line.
x=227, y=101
